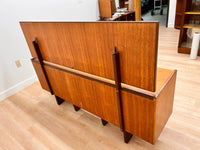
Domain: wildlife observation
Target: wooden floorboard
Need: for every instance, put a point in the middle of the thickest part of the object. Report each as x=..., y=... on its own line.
x=31, y=119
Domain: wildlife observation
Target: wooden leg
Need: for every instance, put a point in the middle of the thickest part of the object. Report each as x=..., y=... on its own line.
x=127, y=137
x=104, y=122
x=76, y=108
x=59, y=100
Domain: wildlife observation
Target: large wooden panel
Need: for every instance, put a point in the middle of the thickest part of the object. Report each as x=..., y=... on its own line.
x=88, y=46
x=92, y=96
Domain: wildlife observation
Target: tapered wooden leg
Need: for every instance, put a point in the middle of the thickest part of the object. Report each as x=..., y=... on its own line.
x=76, y=108
x=59, y=100
x=127, y=137
x=104, y=122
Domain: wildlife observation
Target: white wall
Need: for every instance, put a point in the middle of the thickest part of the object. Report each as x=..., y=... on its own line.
x=172, y=12
x=12, y=43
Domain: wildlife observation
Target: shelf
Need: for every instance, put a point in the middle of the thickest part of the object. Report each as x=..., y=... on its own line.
x=192, y=13
x=191, y=26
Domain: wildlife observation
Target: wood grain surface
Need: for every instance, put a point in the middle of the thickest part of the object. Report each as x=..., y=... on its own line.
x=105, y=8
x=94, y=97
x=137, y=9
x=164, y=106
x=138, y=115
x=88, y=47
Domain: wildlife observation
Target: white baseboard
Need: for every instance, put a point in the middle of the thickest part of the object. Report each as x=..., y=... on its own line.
x=18, y=87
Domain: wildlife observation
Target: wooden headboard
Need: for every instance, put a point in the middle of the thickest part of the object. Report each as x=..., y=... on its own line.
x=88, y=47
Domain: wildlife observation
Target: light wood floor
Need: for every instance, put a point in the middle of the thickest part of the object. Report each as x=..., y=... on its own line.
x=32, y=120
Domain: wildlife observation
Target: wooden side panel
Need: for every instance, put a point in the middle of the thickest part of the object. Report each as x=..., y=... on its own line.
x=179, y=13
x=88, y=47
x=92, y=96
x=41, y=76
x=137, y=9
x=164, y=106
x=105, y=8
x=139, y=116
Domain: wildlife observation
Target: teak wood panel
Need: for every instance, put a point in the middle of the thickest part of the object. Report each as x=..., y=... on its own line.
x=146, y=118
x=105, y=8
x=94, y=97
x=164, y=105
x=88, y=47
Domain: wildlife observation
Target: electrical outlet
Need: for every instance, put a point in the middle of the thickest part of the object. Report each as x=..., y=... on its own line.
x=18, y=63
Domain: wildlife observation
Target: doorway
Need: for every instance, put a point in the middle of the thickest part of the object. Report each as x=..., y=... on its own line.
x=155, y=10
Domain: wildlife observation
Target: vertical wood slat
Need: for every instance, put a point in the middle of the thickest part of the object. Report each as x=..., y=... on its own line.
x=40, y=58
x=117, y=74
x=137, y=9
x=116, y=66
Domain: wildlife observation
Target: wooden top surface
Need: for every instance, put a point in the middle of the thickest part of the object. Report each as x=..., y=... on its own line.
x=88, y=47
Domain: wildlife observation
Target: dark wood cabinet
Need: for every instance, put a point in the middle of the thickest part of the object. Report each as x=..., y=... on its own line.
x=188, y=21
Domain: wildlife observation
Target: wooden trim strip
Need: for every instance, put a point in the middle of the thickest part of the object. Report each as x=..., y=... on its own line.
x=75, y=72
x=156, y=56
x=138, y=92
x=111, y=83
x=116, y=68
x=39, y=55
